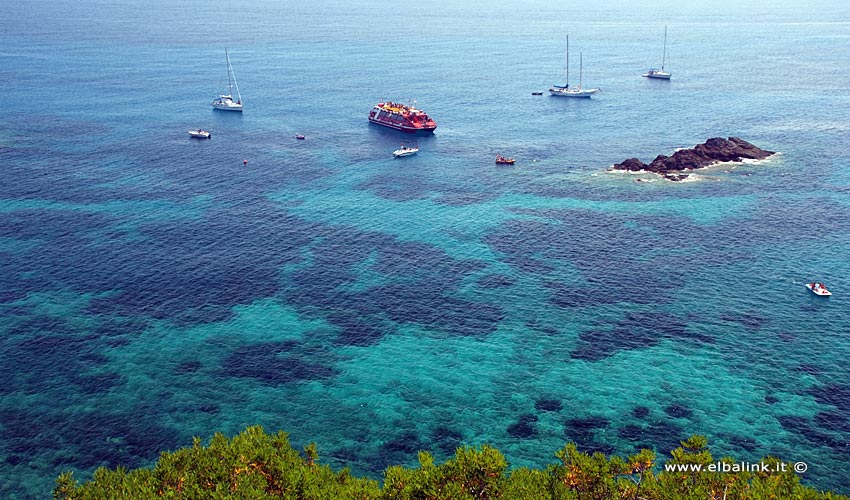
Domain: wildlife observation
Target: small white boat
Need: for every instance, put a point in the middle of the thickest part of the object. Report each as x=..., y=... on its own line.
x=819, y=289
x=225, y=102
x=200, y=134
x=567, y=91
x=660, y=74
x=405, y=151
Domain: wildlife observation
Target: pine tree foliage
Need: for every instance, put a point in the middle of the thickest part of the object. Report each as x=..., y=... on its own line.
x=258, y=466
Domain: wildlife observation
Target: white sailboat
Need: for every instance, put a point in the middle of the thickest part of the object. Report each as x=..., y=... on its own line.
x=566, y=90
x=225, y=102
x=660, y=74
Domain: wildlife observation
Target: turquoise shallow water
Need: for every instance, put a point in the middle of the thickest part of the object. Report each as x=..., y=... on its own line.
x=152, y=288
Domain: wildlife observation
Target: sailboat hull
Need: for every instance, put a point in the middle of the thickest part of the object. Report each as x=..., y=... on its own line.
x=226, y=103
x=577, y=92
x=658, y=76
x=227, y=107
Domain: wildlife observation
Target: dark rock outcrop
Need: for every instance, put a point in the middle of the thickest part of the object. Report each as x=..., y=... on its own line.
x=712, y=151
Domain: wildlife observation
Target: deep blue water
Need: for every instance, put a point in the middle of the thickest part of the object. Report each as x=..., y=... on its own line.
x=152, y=288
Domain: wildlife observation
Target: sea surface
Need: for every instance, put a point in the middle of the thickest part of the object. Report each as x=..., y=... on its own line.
x=154, y=287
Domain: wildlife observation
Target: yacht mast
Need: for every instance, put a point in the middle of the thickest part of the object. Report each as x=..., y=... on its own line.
x=579, y=69
x=229, y=80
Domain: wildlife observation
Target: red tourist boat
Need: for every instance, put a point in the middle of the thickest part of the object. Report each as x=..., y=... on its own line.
x=401, y=117
x=501, y=160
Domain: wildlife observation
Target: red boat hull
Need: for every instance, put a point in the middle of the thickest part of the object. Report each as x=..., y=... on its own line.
x=409, y=130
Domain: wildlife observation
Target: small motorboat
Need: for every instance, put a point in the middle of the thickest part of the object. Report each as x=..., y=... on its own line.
x=405, y=151
x=200, y=134
x=818, y=289
x=300, y=137
x=537, y=93
x=501, y=160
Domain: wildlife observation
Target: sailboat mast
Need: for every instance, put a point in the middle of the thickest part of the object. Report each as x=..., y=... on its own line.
x=229, y=80
x=568, y=62
x=235, y=84
x=664, y=54
x=579, y=69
